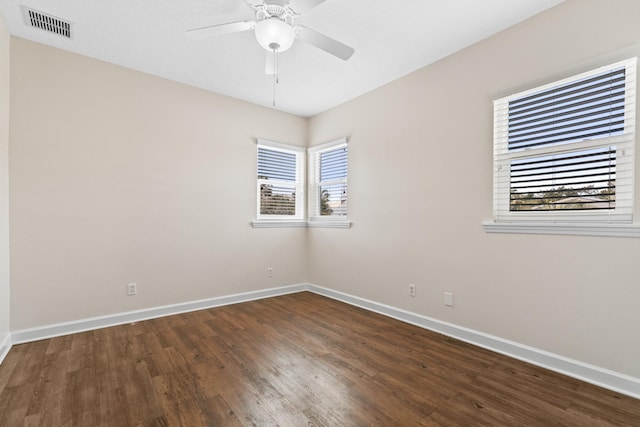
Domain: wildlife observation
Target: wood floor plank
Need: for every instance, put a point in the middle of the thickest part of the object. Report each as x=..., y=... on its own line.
x=49, y=388
x=298, y=359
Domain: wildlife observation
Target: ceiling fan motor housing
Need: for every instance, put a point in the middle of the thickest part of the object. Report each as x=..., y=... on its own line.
x=275, y=9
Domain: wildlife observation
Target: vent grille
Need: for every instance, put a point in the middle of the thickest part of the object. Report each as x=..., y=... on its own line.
x=48, y=23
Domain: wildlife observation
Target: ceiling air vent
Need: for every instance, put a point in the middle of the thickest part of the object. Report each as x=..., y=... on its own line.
x=46, y=22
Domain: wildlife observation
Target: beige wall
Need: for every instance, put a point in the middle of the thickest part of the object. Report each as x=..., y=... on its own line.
x=118, y=177
x=420, y=187
x=4, y=183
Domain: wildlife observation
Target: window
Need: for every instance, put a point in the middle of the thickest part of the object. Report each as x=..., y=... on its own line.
x=564, y=152
x=280, y=186
x=328, y=198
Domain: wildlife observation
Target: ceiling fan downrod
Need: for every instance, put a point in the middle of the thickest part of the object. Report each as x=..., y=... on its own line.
x=275, y=70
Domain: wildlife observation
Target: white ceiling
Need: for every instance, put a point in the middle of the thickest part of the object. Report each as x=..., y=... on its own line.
x=391, y=38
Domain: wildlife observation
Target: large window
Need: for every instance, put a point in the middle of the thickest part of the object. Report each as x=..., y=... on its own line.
x=328, y=199
x=280, y=188
x=564, y=152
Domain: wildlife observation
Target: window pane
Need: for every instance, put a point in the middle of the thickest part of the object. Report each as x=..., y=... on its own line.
x=588, y=108
x=274, y=164
x=579, y=180
x=277, y=200
x=333, y=164
x=333, y=200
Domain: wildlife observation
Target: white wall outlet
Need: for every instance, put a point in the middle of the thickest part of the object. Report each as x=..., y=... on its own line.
x=448, y=299
x=132, y=289
x=412, y=290
x=269, y=271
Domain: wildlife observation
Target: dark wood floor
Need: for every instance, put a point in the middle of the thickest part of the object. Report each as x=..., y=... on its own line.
x=294, y=360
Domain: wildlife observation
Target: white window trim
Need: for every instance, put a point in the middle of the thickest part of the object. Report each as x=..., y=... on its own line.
x=265, y=223
x=330, y=224
x=315, y=220
x=300, y=224
x=268, y=221
x=569, y=224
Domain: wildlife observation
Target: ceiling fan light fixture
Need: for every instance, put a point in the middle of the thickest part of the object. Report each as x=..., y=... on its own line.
x=274, y=34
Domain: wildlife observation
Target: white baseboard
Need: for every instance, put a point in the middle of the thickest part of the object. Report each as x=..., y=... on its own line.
x=5, y=346
x=60, y=329
x=611, y=380
x=605, y=378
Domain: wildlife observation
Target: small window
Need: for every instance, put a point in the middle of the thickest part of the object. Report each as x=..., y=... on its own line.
x=328, y=196
x=565, y=151
x=280, y=188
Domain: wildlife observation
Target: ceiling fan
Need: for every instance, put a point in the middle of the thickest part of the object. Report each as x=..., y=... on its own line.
x=276, y=30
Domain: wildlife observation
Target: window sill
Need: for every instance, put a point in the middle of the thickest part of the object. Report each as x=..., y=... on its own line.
x=571, y=229
x=278, y=224
x=329, y=224
x=300, y=224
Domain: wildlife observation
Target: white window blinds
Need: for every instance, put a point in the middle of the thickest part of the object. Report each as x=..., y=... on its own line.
x=565, y=151
x=280, y=181
x=328, y=181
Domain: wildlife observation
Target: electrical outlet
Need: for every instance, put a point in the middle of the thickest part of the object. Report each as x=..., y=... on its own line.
x=448, y=299
x=412, y=290
x=269, y=271
x=132, y=289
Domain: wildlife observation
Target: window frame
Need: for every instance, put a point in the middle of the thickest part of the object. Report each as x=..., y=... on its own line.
x=298, y=219
x=605, y=222
x=314, y=186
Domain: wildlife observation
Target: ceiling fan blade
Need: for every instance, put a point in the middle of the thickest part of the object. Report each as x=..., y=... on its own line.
x=222, y=29
x=325, y=43
x=255, y=3
x=270, y=66
x=303, y=6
